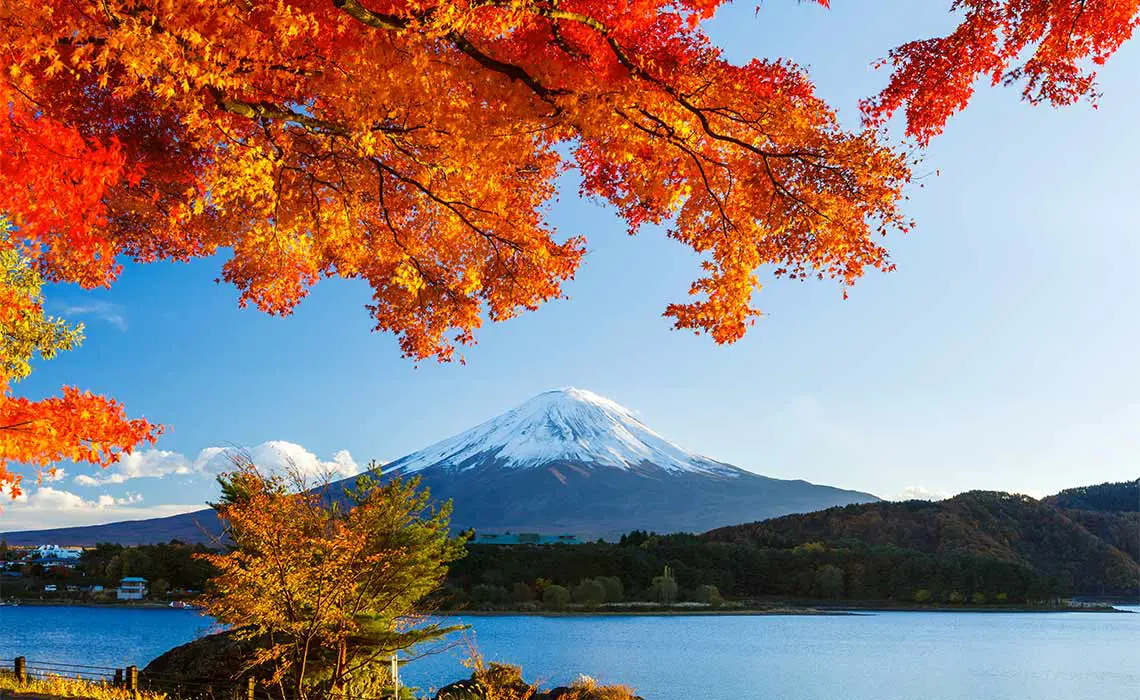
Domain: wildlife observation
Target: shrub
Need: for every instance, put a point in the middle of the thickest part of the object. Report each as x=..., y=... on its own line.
x=590, y=592
x=615, y=592
x=555, y=597
x=829, y=581
x=586, y=688
x=485, y=594
x=521, y=593
x=708, y=594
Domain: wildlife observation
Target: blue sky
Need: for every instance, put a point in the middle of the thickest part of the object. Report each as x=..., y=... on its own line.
x=1000, y=354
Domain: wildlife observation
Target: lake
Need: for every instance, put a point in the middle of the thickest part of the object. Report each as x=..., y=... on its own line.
x=880, y=656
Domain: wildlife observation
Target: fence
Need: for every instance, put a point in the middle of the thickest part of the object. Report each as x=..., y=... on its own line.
x=129, y=679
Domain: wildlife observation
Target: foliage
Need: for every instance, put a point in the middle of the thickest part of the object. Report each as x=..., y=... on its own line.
x=589, y=592
x=334, y=589
x=1043, y=44
x=174, y=562
x=497, y=681
x=586, y=688
x=55, y=686
x=336, y=139
x=522, y=593
x=708, y=594
x=829, y=581
x=484, y=593
x=1008, y=548
x=555, y=597
x=664, y=587
x=615, y=591
x=76, y=426
x=998, y=527
x=1116, y=497
x=312, y=139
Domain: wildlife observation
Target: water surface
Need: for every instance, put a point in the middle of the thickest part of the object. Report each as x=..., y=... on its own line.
x=881, y=656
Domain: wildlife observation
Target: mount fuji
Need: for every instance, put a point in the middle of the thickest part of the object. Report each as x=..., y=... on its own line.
x=564, y=462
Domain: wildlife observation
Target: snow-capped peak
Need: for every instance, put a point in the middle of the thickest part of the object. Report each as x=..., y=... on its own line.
x=568, y=424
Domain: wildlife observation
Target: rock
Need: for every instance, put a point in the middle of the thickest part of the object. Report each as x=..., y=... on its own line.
x=215, y=665
x=582, y=693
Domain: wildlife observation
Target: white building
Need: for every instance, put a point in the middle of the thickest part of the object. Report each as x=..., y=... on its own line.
x=55, y=552
x=132, y=588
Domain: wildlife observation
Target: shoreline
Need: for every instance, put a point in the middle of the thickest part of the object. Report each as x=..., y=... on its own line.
x=788, y=610
x=20, y=603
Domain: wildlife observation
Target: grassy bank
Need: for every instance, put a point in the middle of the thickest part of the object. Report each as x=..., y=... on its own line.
x=60, y=687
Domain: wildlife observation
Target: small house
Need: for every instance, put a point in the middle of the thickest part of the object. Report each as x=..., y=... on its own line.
x=132, y=588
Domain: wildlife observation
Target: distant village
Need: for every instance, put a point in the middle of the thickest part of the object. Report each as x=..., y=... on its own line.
x=156, y=574
x=54, y=573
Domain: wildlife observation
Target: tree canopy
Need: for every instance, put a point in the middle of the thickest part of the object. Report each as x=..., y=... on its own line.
x=416, y=145
x=329, y=591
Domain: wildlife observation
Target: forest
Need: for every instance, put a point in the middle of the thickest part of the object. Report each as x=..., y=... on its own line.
x=978, y=548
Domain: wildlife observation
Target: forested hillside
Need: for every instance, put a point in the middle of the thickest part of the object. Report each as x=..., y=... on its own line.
x=995, y=526
x=1109, y=511
x=1121, y=496
x=980, y=547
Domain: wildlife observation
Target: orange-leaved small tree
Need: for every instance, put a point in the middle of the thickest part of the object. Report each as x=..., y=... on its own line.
x=329, y=583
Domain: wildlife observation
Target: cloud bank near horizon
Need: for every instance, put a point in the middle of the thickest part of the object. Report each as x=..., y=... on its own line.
x=273, y=456
x=47, y=505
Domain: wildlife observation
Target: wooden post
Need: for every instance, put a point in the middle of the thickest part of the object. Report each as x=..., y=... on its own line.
x=118, y=682
x=133, y=681
x=249, y=687
x=21, y=669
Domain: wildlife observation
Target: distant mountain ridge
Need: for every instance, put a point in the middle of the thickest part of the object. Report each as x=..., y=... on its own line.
x=1006, y=527
x=1109, y=511
x=1123, y=496
x=565, y=461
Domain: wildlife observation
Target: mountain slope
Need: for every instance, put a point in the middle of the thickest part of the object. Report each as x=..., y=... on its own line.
x=1109, y=511
x=566, y=461
x=1000, y=526
x=1121, y=497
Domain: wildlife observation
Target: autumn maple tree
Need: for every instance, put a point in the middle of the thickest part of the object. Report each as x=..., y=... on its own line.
x=415, y=144
x=327, y=586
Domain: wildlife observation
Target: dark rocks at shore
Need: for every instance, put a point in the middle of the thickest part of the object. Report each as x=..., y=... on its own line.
x=217, y=665
x=212, y=666
x=497, y=681
x=472, y=690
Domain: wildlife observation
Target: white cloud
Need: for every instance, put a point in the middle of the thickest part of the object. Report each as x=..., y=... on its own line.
x=278, y=456
x=102, y=310
x=273, y=456
x=48, y=507
x=142, y=463
x=919, y=493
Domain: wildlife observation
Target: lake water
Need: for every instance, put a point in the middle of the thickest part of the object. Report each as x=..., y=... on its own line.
x=881, y=656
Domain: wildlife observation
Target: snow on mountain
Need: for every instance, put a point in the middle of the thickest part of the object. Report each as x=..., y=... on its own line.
x=572, y=425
